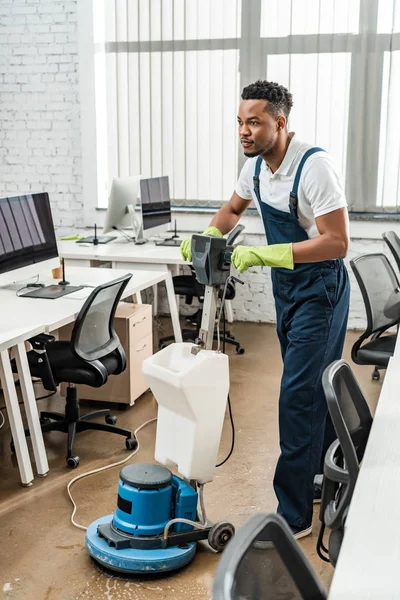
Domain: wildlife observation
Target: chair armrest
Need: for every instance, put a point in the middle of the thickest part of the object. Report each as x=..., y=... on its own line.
x=39, y=342
x=40, y=361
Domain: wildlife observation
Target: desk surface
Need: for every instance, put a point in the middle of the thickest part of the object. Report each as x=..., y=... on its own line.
x=368, y=565
x=21, y=318
x=121, y=250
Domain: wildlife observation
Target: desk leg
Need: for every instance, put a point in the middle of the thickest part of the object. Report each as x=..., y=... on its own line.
x=138, y=298
x=173, y=307
x=14, y=416
x=229, y=311
x=155, y=300
x=31, y=410
x=177, y=297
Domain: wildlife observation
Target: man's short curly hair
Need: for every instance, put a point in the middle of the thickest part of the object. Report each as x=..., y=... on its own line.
x=278, y=97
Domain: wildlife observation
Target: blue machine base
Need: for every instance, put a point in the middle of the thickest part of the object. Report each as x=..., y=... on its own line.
x=130, y=560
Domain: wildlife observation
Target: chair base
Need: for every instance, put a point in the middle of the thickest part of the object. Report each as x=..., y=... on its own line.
x=72, y=423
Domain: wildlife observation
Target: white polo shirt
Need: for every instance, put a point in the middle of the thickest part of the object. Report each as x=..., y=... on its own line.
x=320, y=188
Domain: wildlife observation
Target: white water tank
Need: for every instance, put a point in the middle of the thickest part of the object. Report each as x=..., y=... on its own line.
x=191, y=391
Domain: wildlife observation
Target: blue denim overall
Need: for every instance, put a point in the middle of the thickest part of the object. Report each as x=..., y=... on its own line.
x=312, y=304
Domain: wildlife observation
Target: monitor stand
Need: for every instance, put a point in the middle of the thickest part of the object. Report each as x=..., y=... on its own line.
x=139, y=240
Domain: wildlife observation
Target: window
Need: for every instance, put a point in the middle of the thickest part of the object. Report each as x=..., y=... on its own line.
x=281, y=18
x=324, y=98
x=389, y=140
x=168, y=76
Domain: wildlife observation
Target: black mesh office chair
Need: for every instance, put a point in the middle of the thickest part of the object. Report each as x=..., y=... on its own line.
x=393, y=241
x=265, y=562
x=352, y=421
x=93, y=353
x=381, y=294
x=188, y=286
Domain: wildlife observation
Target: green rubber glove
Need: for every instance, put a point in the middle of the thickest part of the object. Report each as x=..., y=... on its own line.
x=186, y=246
x=277, y=255
x=75, y=236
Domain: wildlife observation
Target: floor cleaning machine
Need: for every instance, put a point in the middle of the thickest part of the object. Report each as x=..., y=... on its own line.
x=160, y=517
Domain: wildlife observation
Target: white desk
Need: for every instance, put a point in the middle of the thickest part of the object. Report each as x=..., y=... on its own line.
x=22, y=318
x=122, y=253
x=13, y=335
x=368, y=565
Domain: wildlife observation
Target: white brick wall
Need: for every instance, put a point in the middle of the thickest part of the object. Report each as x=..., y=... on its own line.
x=40, y=146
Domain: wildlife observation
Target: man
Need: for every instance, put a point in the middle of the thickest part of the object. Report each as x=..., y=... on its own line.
x=300, y=199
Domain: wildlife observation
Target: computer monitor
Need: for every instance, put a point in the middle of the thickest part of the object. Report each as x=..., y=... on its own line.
x=155, y=204
x=121, y=204
x=28, y=244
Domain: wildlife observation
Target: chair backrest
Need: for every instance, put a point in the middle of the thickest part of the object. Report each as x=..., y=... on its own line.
x=264, y=562
x=352, y=421
x=380, y=291
x=93, y=335
x=393, y=241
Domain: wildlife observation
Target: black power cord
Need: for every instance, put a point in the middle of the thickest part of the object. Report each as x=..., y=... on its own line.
x=229, y=403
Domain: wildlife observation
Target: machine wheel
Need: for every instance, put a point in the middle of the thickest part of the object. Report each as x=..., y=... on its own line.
x=73, y=462
x=240, y=350
x=131, y=443
x=111, y=419
x=220, y=534
x=376, y=375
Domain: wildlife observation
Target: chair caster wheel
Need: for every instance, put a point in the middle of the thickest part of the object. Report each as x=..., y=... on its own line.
x=73, y=462
x=44, y=420
x=111, y=419
x=162, y=346
x=376, y=375
x=240, y=350
x=220, y=534
x=12, y=447
x=131, y=443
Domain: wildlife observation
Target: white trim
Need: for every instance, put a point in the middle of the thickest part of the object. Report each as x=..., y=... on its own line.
x=92, y=84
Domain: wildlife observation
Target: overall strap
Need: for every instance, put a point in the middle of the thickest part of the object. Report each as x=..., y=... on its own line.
x=293, y=200
x=256, y=178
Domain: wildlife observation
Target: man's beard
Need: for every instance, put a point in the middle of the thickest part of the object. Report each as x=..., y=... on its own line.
x=251, y=154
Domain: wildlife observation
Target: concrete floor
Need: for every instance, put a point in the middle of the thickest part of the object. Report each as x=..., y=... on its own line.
x=42, y=556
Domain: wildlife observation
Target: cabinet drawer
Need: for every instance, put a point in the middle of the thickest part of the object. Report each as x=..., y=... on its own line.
x=137, y=354
x=140, y=326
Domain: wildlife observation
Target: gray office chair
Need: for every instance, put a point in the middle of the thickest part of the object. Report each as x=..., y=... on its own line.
x=381, y=294
x=265, y=562
x=352, y=421
x=393, y=242
x=90, y=357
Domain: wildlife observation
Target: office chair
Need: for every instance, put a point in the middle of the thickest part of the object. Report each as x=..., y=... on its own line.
x=265, y=562
x=93, y=353
x=352, y=421
x=188, y=286
x=380, y=291
x=393, y=241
